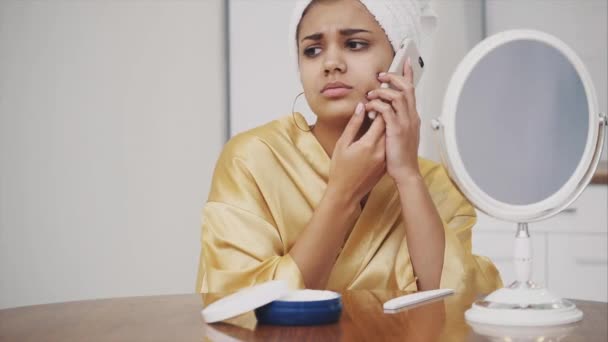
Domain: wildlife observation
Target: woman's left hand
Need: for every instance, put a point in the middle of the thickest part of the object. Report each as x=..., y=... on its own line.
x=398, y=109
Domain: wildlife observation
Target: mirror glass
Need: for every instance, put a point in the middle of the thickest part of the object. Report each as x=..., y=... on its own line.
x=521, y=122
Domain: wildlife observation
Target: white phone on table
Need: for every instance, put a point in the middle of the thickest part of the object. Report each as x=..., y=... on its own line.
x=407, y=48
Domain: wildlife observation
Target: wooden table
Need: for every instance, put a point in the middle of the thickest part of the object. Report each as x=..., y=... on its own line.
x=177, y=318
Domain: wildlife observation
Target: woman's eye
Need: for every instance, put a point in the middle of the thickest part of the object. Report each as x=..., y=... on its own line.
x=312, y=51
x=356, y=45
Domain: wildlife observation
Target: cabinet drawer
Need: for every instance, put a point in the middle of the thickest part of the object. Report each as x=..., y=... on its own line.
x=578, y=266
x=587, y=214
x=498, y=246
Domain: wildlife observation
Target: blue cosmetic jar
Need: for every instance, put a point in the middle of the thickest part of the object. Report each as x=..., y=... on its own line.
x=302, y=307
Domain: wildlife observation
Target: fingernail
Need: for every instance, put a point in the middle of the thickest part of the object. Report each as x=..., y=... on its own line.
x=369, y=93
x=382, y=73
x=359, y=109
x=409, y=61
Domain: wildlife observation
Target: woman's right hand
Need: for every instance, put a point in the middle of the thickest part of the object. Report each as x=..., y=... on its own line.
x=357, y=165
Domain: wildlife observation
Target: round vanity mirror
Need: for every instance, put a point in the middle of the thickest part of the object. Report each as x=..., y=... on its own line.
x=521, y=136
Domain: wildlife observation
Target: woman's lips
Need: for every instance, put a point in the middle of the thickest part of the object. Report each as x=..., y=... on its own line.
x=334, y=93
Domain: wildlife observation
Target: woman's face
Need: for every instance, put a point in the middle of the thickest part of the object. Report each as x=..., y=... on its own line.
x=341, y=50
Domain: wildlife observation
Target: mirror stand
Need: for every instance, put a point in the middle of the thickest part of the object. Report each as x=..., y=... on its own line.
x=523, y=303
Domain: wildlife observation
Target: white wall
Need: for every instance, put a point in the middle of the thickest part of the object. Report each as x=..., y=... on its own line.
x=111, y=119
x=263, y=80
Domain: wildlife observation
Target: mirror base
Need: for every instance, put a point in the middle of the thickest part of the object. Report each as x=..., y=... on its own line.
x=523, y=304
x=513, y=333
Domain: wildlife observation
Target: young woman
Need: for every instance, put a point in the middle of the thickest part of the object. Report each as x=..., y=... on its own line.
x=346, y=203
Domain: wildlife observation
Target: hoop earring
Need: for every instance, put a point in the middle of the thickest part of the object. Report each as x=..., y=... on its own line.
x=293, y=113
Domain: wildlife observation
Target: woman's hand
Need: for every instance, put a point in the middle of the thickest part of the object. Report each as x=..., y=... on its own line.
x=357, y=165
x=423, y=225
x=397, y=107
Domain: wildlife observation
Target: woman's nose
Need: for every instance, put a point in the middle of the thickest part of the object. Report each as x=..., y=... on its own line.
x=334, y=62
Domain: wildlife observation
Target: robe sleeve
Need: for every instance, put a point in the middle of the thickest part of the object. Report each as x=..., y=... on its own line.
x=461, y=268
x=240, y=243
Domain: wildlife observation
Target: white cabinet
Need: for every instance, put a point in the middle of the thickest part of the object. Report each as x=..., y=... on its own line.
x=578, y=265
x=569, y=250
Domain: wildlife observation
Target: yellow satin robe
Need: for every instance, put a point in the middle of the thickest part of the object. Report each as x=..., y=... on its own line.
x=268, y=182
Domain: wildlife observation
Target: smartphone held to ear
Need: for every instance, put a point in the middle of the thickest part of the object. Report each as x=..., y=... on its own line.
x=407, y=49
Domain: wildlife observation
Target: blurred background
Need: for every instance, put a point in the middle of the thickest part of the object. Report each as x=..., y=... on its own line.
x=112, y=115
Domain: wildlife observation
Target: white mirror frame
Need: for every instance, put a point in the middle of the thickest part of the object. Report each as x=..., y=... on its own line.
x=451, y=157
